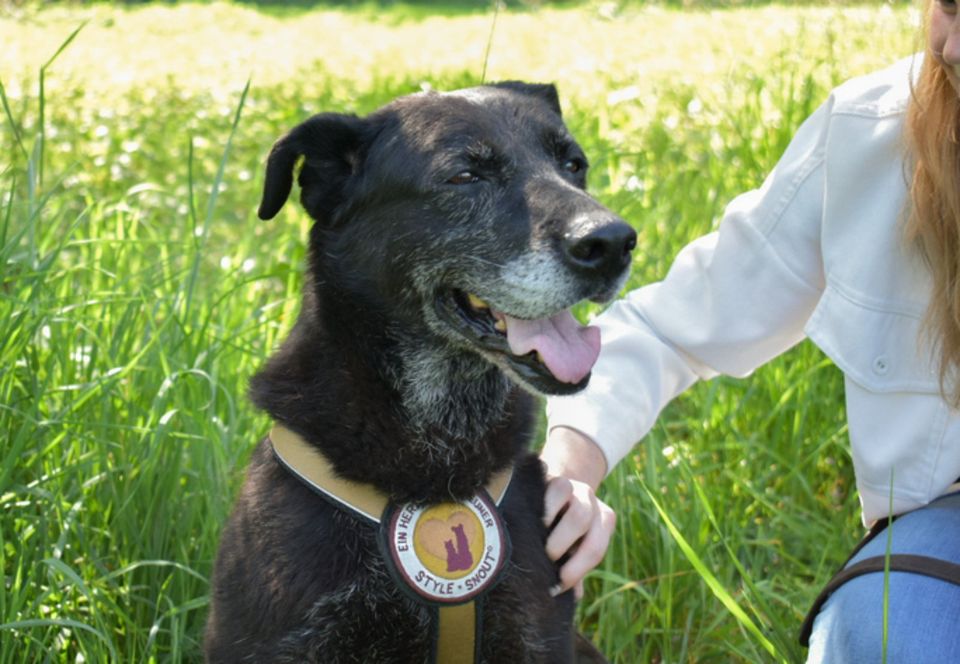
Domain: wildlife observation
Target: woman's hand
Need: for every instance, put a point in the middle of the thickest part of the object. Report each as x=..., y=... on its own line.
x=582, y=523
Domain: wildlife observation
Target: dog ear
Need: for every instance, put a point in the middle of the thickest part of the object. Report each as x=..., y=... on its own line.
x=330, y=145
x=544, y=91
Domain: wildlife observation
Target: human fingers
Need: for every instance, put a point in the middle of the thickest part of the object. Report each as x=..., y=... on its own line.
x=574, y=516
x=585, y=522
x=555, y=500
x=589, y=551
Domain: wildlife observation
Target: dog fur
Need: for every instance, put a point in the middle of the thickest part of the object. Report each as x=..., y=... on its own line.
x=434, y=196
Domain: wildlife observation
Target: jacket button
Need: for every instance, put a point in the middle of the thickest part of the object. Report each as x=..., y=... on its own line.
x=881, y=366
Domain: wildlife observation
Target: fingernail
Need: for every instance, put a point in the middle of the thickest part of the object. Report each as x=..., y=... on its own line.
x=556, y=590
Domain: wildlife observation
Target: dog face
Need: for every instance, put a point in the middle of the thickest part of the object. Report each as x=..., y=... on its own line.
x=461, y=219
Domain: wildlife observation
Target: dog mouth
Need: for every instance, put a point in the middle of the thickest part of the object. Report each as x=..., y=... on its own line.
x=553, y=354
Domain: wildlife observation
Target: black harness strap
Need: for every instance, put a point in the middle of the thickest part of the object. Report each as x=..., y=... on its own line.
x=899, y=562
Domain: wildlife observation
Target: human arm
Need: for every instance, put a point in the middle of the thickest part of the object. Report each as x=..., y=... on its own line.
x=731, y=301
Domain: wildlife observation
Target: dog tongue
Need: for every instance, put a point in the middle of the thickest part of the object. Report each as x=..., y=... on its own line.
x=566, y=347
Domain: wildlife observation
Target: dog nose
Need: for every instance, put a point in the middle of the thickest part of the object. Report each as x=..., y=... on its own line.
x=602, y=248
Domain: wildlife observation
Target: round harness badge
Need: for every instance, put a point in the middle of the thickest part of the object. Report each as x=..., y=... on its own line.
x=448, y=553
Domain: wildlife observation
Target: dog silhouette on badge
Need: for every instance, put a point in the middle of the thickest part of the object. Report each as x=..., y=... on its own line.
x=459, y=557
x=450, y=540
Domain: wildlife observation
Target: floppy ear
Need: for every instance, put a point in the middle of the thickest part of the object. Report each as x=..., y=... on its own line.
x=544, y=91
x=330, y=144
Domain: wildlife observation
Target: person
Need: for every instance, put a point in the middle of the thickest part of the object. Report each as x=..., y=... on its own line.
x=853, y=241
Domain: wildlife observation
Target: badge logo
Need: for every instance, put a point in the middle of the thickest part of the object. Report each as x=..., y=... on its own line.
x=448, y=553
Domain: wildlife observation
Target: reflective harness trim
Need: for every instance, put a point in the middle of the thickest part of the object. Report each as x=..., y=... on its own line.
x=457, y=622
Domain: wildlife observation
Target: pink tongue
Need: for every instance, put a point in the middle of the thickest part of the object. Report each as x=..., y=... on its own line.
x=567, y=348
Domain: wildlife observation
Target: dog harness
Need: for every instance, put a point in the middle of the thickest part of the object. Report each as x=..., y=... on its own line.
x=446, y=555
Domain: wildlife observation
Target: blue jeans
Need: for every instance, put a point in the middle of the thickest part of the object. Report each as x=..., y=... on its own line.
x=923, y=624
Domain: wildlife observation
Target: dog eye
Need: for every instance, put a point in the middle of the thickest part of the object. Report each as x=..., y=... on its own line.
x=574, y=165
x=464, y=177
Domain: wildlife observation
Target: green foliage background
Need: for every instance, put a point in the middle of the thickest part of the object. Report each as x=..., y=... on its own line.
x=138, y=294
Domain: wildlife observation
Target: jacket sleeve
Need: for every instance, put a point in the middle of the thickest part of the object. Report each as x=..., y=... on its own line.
x=732, y=300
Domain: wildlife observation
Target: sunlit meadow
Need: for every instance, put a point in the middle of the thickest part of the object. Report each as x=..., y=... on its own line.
x=138, y=294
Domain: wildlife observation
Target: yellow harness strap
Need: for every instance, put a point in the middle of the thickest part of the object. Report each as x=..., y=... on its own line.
x=313, y=468
x=456, y=633
x=457, y=624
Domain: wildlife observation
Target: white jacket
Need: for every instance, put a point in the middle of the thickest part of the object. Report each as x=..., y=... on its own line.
x=816, y=251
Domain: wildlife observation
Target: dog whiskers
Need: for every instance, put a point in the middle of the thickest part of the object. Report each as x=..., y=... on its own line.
x=485, y=261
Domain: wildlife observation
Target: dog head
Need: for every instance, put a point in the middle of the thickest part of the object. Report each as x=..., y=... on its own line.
x=463, y=220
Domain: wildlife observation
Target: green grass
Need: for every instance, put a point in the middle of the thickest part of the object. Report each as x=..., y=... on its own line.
x=139, y=293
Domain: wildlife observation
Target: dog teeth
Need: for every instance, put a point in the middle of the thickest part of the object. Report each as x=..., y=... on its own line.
x=500, y=325
x=540, y=358
x=476, y=302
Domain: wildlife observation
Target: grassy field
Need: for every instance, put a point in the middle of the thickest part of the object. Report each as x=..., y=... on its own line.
x=138, y=293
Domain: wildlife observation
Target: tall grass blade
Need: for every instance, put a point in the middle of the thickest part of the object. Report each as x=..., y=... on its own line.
x=11, y=122
x=762, y=608
x=493, y=29
x=886, y=574
x=63, y=622
x=42, y=137
x=711, y=580
x=7, y=214
x=214, y=195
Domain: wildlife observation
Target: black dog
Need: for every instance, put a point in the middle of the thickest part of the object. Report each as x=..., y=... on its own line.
x=452, y=234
